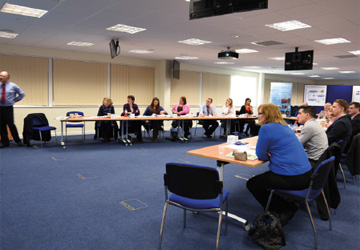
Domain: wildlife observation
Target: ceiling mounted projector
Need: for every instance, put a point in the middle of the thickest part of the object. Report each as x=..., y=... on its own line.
x=228, y=54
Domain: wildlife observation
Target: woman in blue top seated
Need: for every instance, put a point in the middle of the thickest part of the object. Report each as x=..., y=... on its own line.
x=288, y=162
x=107, y=129
x=153, y=110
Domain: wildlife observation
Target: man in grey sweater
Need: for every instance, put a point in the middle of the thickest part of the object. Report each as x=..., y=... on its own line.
x=312, y=136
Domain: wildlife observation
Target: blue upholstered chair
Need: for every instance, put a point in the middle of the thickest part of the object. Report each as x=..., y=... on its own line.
x=75, y=124
x=38, y=126
x=318, y=181
x=194, y=188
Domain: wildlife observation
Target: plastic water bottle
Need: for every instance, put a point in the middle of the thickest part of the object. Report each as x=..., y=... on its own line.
x=295, y=126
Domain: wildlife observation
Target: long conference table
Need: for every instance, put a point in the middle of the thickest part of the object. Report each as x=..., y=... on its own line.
x=213, y=152
x=125, y=120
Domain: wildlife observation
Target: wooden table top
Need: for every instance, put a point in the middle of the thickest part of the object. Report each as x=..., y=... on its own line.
x=212, y=152
x=123, y=118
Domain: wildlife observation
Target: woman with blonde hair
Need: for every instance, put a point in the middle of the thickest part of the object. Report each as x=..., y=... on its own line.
x=324, y=113
x=289, y=167
x=228, y=110
x=107, y=129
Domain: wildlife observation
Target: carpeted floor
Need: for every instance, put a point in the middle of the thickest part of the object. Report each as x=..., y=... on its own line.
x=97, y=195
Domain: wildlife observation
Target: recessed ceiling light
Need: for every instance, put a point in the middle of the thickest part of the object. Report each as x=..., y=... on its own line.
x=267, y=43
x=332, y=41
x=355, y=52
x=297, y=73
x=224, y=62
x=315, y=63
x=288, y=25
x=246, y=51
x=314, y=76
x=328, y=78
x=125, y=28
x=7, y=34
x=330, y=68
x=252, y=67
x=187, y=0
x=186, y=57
x=194, y=41
x=347, y=72
x=277, y=58
x=141, y=51
x=80, y=44
x=22, y=10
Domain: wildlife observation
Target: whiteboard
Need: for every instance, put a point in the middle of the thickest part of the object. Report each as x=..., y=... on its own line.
x=356, y=94
x=315, y=95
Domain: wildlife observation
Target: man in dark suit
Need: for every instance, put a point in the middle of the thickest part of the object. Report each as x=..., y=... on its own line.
x=354, y=115
x=340, y=129
x=354, y=112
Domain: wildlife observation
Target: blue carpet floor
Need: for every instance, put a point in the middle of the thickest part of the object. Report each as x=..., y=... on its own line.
x=97, y=195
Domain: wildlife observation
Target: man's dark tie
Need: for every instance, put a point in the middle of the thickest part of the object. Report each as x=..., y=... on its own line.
x=3, y=94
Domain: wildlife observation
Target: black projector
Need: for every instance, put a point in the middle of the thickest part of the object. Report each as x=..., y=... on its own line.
x=228, y=55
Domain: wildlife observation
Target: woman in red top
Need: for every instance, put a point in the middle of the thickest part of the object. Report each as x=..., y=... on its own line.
x=246, y=109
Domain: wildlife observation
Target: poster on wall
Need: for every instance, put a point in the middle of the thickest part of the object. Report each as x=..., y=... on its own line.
x=356, y=94
x=315, y=95
x=280, y=95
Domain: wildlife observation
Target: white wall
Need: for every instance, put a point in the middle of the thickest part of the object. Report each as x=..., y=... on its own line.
x=162, y=81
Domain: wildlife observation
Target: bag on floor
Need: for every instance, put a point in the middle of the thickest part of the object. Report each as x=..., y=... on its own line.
x=267, y=231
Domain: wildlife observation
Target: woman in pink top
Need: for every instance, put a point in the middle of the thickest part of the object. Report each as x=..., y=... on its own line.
x=182, y=108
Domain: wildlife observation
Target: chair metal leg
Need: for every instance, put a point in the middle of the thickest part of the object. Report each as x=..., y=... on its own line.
x=162, y=224
x=313, y=225
x=65, y=133
x=269, y=201
x=184, y=218
x=41, y=139
x=226, y=217
x=55, y=137
x=219, y=228
x=328, y=210
x=342, y=173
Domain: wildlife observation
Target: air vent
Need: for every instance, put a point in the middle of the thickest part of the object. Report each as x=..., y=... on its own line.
x=346, y=56
x=268, y=43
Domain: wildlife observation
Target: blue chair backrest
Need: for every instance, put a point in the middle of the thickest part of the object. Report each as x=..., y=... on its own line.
x=37, y=122
x=73, y=112
x=192, y=181
x=342, y=144
x=321, y=173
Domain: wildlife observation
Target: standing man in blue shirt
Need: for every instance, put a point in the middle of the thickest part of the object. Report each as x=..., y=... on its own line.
x=10, y=93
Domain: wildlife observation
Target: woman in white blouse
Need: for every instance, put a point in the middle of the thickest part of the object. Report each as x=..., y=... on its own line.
x=228, y=110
